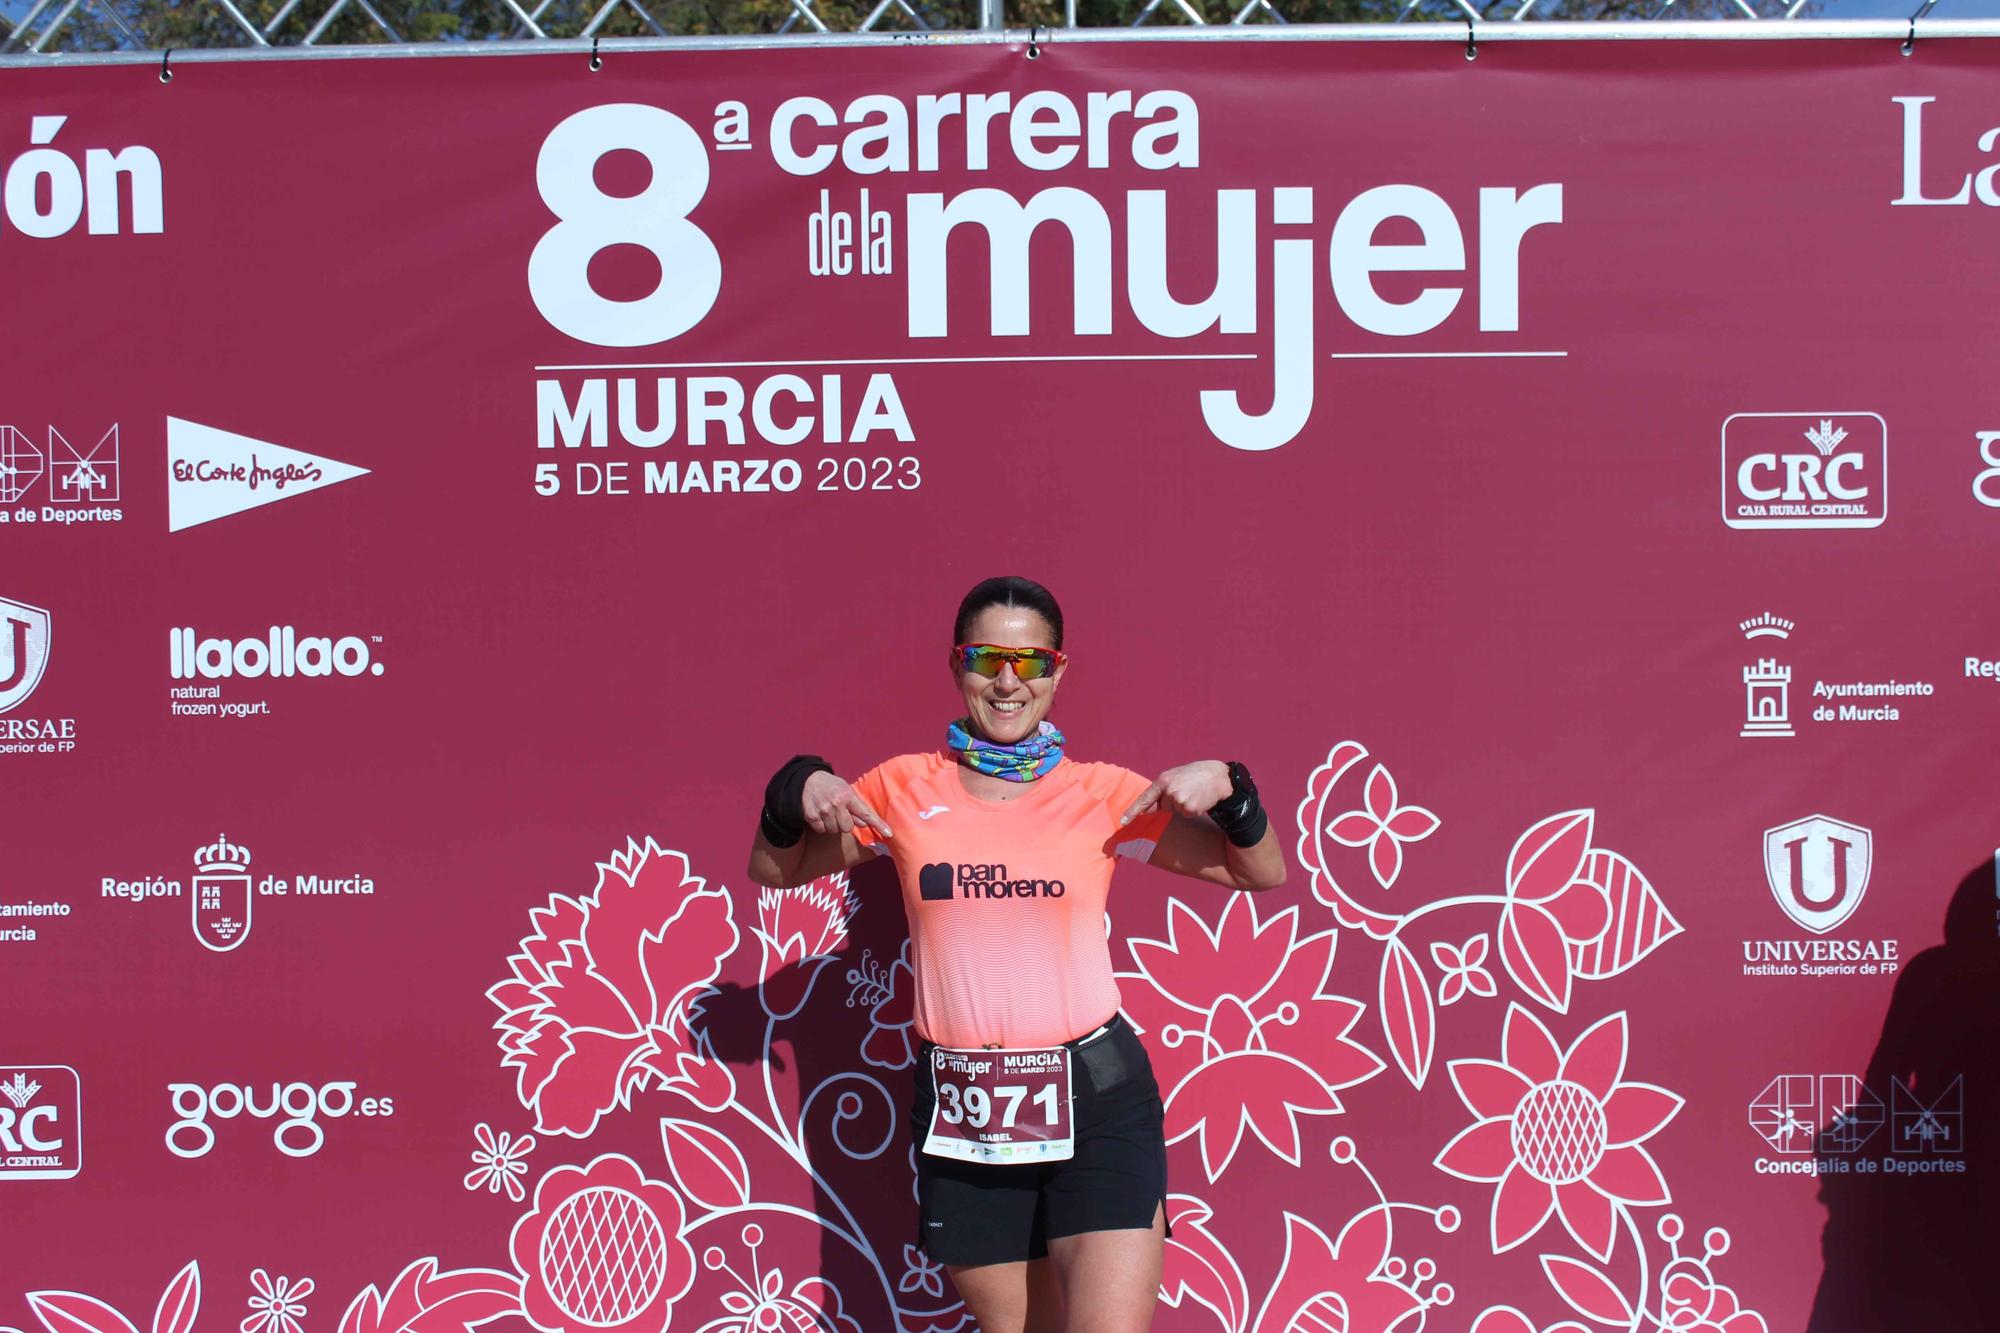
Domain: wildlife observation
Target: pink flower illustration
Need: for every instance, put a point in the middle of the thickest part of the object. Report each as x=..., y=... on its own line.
x=799, y=930
x=1691, y=1300
x=604, y=991
x=1383, y=827
x=1319, y=850
x=1546, y=868
x=1462, y=969
x=1349, y=1283
x=683, y=1060
x=1560, y=1132
x=602, y=1251
x=1696, y=1303
x=760, y=1303
x=890, y=994
x=1242, y=1034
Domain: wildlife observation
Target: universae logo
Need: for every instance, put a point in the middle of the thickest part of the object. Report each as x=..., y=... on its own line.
x=24, y=635
x=1805, y=470
x=1817, y=868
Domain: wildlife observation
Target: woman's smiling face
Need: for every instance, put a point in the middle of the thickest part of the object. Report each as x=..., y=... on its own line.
x=1006, y=709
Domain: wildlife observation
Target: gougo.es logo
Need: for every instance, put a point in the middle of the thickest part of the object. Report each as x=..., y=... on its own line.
x=298, y=1107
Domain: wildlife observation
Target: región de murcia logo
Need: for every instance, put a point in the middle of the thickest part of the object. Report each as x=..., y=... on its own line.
x=222, y=895
x=223, y=892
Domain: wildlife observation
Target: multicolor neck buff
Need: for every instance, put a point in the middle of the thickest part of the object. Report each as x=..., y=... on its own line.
x=1023, y=761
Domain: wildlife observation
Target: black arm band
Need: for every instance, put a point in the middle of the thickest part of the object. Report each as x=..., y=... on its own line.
x=1240, y=814
x=784, y=818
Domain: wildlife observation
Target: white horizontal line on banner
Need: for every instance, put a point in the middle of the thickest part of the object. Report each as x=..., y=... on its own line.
x=921, y=361
x=1387, y=356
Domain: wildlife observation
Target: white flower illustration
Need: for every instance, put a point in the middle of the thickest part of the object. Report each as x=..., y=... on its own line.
x=278, y=1303
x=497, y=1162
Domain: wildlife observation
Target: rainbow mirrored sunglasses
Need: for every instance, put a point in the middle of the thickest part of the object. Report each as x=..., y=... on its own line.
x=986, y=659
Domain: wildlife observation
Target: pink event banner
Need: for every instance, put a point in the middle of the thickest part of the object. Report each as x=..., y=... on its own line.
x=438, y=491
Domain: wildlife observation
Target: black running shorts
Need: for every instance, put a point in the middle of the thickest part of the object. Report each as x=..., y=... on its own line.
x=972, y=1213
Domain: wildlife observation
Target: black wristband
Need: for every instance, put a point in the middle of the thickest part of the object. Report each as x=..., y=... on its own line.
x=784, y=819
x=1240, y=814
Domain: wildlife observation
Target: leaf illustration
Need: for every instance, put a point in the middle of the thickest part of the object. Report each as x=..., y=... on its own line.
x=1588, y=1291
x=1536, y=955
x=423, y=1300
x=1198, y=1268
x=706, y=1165
x=180, y=1302
x=1545, y=858
x=1640, y=922
x=1408, y=1020
x=74, y=1312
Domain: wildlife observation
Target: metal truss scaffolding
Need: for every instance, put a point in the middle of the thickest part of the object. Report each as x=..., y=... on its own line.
x=118, y=31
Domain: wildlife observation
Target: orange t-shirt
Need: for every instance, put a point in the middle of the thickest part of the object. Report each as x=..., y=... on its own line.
x=1006, y=898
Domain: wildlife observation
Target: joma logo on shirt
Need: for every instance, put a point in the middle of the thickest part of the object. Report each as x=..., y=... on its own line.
x=935, y=883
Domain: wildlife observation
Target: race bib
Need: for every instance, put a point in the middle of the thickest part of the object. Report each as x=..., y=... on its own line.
x=1001, y=1106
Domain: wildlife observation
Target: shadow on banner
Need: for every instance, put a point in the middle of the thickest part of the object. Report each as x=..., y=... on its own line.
x=1915, y=1250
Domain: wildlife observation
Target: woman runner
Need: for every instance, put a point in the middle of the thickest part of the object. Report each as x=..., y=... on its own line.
x=1041, y=1163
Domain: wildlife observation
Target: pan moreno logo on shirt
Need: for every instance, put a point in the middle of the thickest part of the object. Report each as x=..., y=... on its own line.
x=942, y=881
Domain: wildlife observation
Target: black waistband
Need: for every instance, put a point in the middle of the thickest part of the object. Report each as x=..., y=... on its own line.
x=1114, y=1024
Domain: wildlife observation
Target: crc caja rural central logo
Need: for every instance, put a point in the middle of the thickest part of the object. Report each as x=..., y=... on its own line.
x=41, y=1123
x=1805, y=470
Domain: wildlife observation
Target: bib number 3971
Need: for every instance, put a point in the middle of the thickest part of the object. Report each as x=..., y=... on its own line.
x=1001, y=1106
